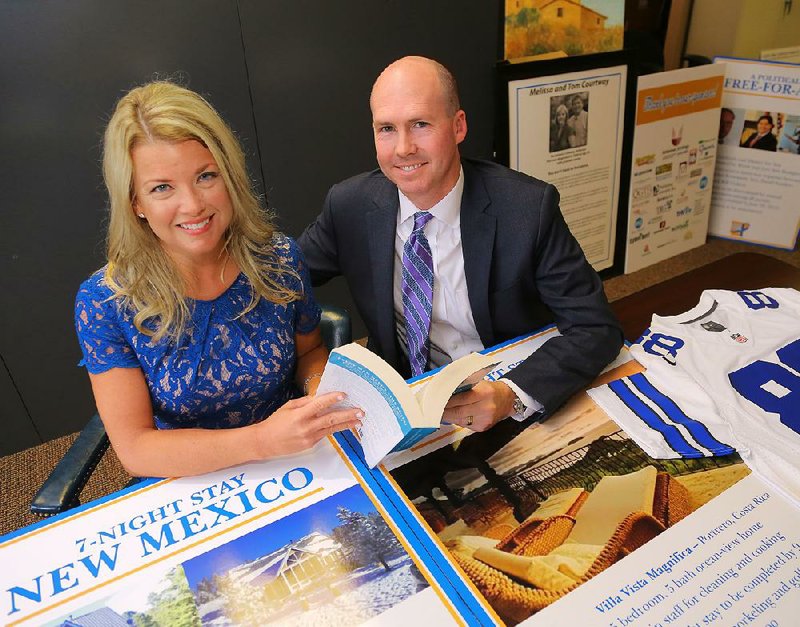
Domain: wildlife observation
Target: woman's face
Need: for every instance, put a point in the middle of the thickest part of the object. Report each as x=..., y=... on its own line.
x=179, y=189
x=561, y=116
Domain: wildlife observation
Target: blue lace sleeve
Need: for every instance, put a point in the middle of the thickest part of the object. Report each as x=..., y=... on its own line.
x=308, y=312
x=100, y=335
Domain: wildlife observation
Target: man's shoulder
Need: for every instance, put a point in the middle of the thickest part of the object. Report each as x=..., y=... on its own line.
x=360, y=193
x=498, y=177
x=366, y=181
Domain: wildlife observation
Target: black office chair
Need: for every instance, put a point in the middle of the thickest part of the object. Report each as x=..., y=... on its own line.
x=61, y=490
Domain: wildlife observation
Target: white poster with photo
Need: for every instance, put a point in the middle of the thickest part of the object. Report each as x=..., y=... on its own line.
x=758, y=162
x=674, y=150
x=734, y=561
x=296, y=540
x=783, y=55
x=568, y=130
x=570, y=522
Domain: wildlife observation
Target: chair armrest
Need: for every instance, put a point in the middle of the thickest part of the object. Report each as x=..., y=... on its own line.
x=336, y=327
x=693, y=60
x=62, y=489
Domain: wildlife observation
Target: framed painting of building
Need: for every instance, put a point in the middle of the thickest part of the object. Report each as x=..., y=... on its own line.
x=547, y=28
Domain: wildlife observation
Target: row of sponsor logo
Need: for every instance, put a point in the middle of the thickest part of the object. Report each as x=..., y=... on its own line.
x=663, y=226
x=644, y=192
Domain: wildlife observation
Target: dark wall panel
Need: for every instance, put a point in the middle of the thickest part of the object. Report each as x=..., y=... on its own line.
x=312, y=65
x=18, y=429
x=291, y=76
x=64, y=64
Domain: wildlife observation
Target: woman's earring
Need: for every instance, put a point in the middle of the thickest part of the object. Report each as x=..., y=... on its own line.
x=141, y=215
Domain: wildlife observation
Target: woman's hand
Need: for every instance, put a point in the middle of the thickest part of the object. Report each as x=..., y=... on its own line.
x=301, y=423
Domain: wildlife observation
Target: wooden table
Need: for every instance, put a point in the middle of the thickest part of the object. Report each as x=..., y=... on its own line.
x=741, y=271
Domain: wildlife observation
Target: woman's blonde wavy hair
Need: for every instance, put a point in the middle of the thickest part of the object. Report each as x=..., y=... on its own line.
x=139, y=271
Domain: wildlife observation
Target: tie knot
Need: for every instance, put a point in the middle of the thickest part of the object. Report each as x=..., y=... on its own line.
x=421, y=218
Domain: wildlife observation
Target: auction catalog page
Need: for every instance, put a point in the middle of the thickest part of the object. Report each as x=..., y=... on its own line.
x=569, y=521
x=758, y=165
x=299, y=540
x=567, y=130
x=563, y=521
x=674, y=152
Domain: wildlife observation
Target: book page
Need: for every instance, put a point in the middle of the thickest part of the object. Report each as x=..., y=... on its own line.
x=434, y=396
x=390, y=409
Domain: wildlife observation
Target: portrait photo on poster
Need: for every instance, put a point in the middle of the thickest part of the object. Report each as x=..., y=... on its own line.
x=569, y=126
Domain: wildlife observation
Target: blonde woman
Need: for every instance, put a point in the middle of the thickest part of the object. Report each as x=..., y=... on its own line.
x=561, y=133
x=202, y=324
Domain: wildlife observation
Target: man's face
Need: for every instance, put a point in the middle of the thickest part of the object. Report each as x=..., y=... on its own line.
x=577, y=105
x=764, y=126
x=416, y=138
x=725, y=123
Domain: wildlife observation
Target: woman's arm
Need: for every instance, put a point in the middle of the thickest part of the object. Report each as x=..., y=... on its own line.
x=311, y=358
x=123, y=403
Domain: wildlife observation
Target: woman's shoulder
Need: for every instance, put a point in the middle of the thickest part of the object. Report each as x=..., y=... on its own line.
x=96, y=305
x=286, y=249
x=95, y=287
x=95, y=295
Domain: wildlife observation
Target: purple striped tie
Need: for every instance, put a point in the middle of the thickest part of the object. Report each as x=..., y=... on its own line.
x=418, y=293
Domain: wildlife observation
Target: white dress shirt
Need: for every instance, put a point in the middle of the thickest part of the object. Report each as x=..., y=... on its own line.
x=452, y=333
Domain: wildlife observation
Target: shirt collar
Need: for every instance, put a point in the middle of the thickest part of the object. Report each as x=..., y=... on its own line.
x=448, y=209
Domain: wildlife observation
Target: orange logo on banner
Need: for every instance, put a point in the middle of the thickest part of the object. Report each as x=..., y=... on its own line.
x=669, y=101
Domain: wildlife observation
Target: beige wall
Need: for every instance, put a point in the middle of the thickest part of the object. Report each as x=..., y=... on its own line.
x=741, y=28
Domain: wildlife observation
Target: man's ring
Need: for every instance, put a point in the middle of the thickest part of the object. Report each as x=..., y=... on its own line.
x=469, y=421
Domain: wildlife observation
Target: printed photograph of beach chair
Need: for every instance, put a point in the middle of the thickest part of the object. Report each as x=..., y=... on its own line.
x=620, y=514
x=549, y=525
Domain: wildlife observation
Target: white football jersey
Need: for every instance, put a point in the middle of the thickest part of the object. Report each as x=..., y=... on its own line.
x=723, y=376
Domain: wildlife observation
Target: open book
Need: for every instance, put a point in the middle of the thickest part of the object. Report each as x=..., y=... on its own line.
x=395, y=417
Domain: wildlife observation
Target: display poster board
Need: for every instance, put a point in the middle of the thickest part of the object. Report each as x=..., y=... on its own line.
x=297, y=539
x=321, y=539
x=674, y=153
x=783, y=55
x=758, y=165
x=568, y=128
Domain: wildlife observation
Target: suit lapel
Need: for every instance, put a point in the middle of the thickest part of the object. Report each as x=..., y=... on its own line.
x=477, y=240
x=382, y=223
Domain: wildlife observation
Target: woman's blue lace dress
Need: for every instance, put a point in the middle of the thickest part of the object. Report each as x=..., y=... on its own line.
x=226, y=371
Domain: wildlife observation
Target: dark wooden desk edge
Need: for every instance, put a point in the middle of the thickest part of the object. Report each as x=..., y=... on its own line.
x=740, y=271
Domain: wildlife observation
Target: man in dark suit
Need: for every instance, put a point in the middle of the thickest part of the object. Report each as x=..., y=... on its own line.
x=503, y=260
x=762, y=139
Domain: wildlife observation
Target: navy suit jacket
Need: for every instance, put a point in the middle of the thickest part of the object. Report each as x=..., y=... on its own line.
x=523, y=270
x=766, y=142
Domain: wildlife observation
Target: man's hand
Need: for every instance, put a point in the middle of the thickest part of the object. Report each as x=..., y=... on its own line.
x=482, y=407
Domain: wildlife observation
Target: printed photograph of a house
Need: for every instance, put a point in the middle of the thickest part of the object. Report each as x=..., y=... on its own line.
x=334, y=562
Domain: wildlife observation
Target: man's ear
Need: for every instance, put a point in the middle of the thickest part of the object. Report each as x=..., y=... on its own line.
x=460, y=125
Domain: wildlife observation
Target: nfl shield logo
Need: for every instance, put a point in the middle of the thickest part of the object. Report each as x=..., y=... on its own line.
x=739, y=338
